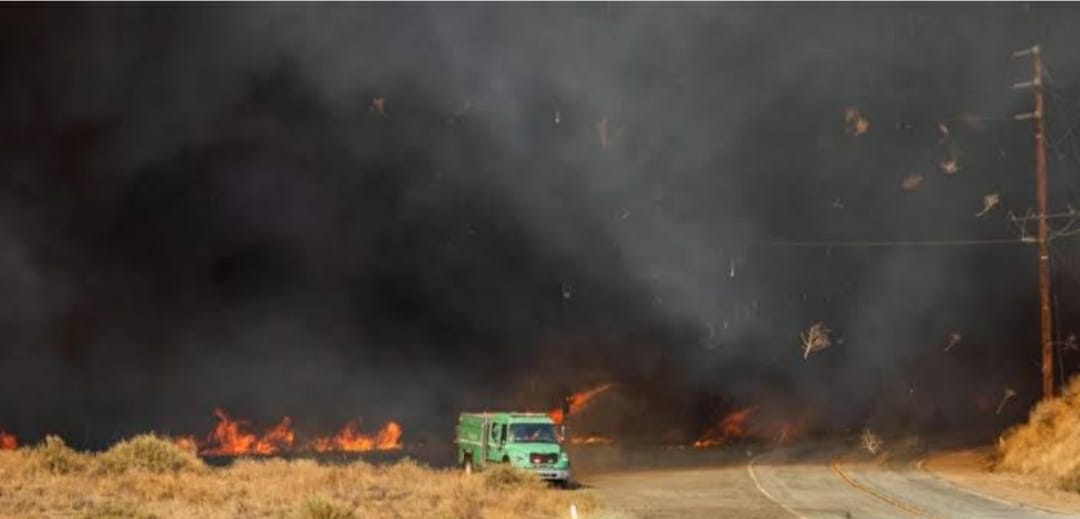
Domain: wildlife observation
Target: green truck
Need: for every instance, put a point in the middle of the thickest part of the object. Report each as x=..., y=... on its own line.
x=523, y=440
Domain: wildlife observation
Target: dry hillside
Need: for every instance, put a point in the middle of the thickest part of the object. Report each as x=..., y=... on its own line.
x=147, y=477
x=1047, y=447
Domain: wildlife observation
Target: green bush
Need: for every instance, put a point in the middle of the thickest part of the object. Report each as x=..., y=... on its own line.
x=149, y=453
x=319, y=509
x=53, y=455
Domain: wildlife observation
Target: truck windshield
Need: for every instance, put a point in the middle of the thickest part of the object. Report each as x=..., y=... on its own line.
x=532, y=433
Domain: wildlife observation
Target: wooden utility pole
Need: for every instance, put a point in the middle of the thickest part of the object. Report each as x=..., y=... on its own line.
x=1043, y=235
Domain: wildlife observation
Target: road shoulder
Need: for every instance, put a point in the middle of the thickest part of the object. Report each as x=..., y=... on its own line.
x=969, y=470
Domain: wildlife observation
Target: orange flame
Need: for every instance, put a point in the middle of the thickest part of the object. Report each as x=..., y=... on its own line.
x=350, y=439
x=187, y=443
x=577, y=401
x=230, y=438
x=8, y=441
x=730, y=427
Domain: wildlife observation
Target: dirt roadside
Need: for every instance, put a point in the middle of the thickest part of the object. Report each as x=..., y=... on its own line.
x=969, y=470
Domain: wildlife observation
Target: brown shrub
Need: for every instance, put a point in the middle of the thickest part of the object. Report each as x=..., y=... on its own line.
x=54, y=456
x=149, y=453
x=1047, y=447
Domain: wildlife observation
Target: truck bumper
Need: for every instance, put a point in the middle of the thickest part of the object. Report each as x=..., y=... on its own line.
x=553, y=474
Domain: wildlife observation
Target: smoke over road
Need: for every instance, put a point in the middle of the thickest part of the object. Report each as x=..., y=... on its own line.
x=395, y=212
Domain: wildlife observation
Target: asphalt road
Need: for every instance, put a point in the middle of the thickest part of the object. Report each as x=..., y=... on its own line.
x=787, y=484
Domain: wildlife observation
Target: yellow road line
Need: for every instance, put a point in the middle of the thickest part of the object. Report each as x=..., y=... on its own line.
x=888, y=499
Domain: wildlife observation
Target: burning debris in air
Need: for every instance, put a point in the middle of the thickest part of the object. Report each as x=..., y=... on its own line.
x=944, y=133
x=871, y=442
x=954, y=339
x=232, y=437
x=576, y=402
x=378, y=106
x=602, y=130
x=1008, y=395
x=855, y=123
x=731, y=427
x=1071, y=343
x=989, y=202
x=911, y=182
x=787, y=432
x=815, y=339
x=8, y=441
x=949, y=166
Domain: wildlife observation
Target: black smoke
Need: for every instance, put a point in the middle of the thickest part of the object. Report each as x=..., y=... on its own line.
x=401, y=211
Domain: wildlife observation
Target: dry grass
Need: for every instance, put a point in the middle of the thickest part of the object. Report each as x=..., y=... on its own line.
x=1047, y=447
x=149, y=478
x=148, y=453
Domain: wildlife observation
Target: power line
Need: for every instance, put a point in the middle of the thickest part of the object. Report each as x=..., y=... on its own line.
x=1064, y=261
x=896, y=243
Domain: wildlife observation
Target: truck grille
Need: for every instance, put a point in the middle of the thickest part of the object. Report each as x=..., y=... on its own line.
x=538, y=459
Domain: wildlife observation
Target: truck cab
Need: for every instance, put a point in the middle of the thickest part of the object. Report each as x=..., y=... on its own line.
x=524, y=440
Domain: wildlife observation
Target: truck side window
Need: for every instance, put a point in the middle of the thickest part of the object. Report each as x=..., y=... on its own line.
x=495, y=433
x=503, y=434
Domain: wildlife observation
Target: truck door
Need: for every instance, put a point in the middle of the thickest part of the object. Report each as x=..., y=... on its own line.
x=497, y=441
x=484, y=427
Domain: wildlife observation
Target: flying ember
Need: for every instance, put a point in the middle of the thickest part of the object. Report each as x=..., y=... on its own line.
x=576, y=402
